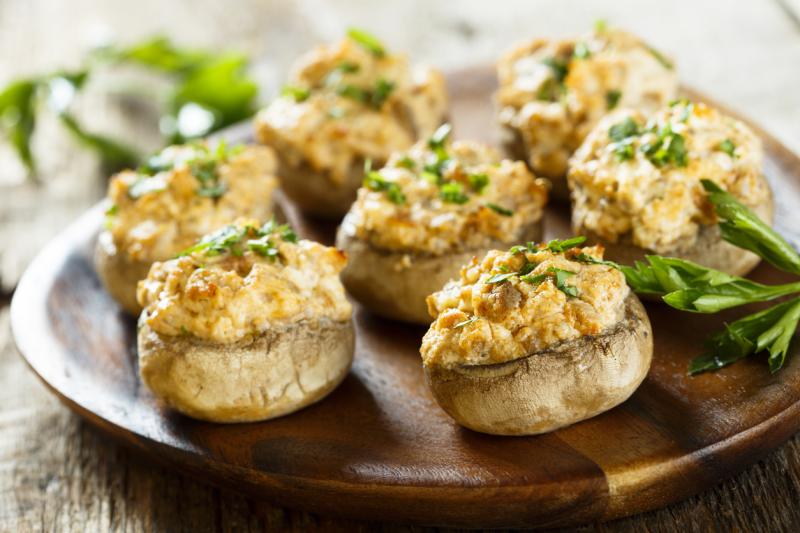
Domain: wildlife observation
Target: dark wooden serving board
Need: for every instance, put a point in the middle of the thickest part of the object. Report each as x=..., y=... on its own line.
x=379, y=447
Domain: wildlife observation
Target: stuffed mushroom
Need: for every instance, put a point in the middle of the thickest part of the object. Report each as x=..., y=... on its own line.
x=249, y=324
x=553, y=92
x=346, y=103
x=179, y=195
x=636, y=184
x=428, y=211
x=534, y=339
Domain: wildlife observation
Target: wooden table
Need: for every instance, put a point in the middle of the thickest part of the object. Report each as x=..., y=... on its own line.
x=56, y=473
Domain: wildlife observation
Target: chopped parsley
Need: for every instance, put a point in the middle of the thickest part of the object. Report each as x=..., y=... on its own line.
x=367, y=41
x=553, y=88
x=500, y=278
x=668, y=148
x=666, y=63
x=559, y=277
x=374, y=97
x=622, y=130
x=204, y=166
x=478, y=182
x=623, y=134
x=406, y=162
x=612, y=98
x=558, y=66
x=298, y=94
x=500, y=210
x=354, y=93
x=600, y=26
x=374, y=181
x=452, y=192
x=235, y=240
x=437, y=141
x=559, y=246
x=728, y=147
x=348, y=67
x=380, y=94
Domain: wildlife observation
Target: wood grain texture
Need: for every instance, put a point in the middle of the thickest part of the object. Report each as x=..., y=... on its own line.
x=379, y=447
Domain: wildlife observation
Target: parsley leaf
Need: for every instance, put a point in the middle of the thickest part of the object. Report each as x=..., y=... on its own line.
x=453, y=193
x=771, y=329
x=500, y=210
x=374, y=181
x=478, y=182
x=741, y=227
x=367, y=41
x=622, y=130
x=728, y=147
x=612, y=98
x=298, y=94
x=500, y=278
x=559, y=246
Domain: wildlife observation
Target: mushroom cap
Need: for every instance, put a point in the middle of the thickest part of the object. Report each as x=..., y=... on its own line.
x=257, y=378
x=553, y=388
x=395, y=284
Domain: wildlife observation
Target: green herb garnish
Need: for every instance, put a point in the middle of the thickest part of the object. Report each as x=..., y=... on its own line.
x=374, y=97
x=668, y=148
x=348, y=67
x=478, y=182
x=367, y=41
x=452, y=192
x=440, y=136
x=500, y=210
x=298, y=94
x=234, y=240
x=622, y=130
x=209, y=90
x=666, y=63
x=500, y=278
x=466, y=322
x=383, y=89
x=374, y=181
x=728, y=147
x=612, y=98
x=406, y=162
x=691, y=287
x=558, y=66
x=559, y=246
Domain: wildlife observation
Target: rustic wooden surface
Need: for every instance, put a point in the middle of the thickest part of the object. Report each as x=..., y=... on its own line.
x=58, y=474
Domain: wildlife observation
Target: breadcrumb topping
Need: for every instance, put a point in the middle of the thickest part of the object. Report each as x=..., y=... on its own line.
x=243, y=280
x=512, y=304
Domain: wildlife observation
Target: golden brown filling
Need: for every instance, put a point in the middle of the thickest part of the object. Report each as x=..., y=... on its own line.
x=442, y=197
x=348, y=102
x=641, y=176
x=553, y=92
x=243, y=280
x=185, y=192
x=509, y=305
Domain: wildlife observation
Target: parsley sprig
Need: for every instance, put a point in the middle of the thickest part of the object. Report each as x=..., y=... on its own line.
x=559, y=276
x=204, y=166
x=374, y=181
x=235, y=240
x=688, y=286
x=667, y=148
x=208, y=90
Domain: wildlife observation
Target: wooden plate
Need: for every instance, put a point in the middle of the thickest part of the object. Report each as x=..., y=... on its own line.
x=379, y=448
